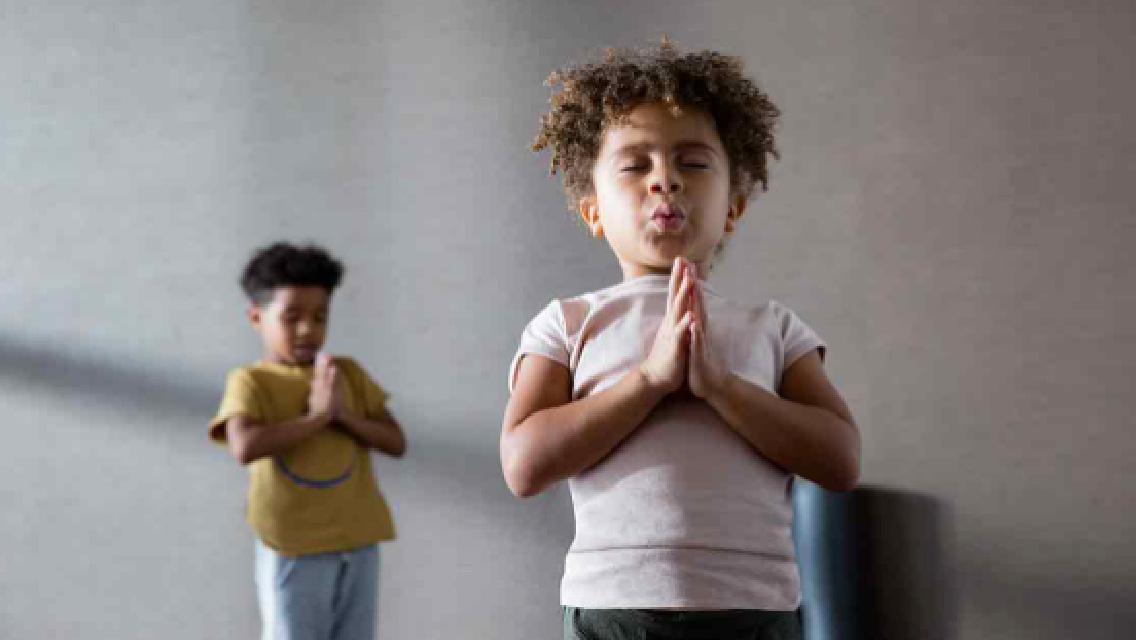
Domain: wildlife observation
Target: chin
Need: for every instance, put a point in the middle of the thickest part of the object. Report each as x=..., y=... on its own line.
x=665, y=256
x=303, y=362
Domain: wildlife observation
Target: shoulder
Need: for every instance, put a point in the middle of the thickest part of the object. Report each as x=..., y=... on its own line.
x=576, y=311
x=245, y=376
x=245, y=385
x=762, y=311
x=348, y=365
x=786, y=319
x=772, y=313
x=552, y=316
x=563, y=319
x=769, y=316
x=345, y=362
x=350, y=368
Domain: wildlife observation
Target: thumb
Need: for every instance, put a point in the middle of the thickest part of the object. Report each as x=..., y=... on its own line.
x=323, y=361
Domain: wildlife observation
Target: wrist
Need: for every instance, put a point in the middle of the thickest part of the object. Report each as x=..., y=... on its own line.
x=735, y=388
x=647, y=386
x=320, y=419
x=344, y=419
x=719, y=390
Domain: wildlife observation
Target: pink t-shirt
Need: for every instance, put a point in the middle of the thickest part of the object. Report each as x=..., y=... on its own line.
x=684, y=513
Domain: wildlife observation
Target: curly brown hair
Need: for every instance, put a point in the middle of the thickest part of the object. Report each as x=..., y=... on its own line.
x=596, y=95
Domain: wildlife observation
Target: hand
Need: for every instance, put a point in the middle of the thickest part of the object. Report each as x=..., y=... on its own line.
x=325, y=399
x=666, y=365
x=706, y=373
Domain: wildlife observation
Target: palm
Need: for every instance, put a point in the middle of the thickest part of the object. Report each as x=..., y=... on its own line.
x=704, y=370
x=666, y=365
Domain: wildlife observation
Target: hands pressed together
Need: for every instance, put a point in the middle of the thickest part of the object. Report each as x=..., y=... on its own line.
x=681, y=353
x=325, y=399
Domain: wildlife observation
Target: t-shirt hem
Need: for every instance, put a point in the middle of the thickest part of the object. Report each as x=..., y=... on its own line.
x=684, y=605
x=330, y=547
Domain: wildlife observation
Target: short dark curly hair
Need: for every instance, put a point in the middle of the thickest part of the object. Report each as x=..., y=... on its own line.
x=282, y=264
x=596, y=95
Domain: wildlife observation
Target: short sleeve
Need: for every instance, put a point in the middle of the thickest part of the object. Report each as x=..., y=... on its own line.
x=544, y=336
x=797, y=338
x=240, y=399
x=373, y=398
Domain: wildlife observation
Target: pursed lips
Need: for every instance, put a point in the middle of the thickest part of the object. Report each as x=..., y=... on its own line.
x=668, y=216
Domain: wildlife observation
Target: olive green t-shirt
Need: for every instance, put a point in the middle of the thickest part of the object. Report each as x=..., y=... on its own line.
x=321, y=494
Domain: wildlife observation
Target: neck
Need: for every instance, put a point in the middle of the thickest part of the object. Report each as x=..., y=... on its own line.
x=272, y=359
x=632, y=270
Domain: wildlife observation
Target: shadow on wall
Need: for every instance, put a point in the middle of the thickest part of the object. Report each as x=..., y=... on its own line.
x=875, y=564
x=467, y=472
x=105, y=378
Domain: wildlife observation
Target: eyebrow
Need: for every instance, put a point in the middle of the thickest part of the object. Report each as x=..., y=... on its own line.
x=643, y=147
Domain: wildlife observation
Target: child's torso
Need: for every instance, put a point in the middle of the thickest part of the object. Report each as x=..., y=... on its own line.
x=684, y=513
x=319, y=495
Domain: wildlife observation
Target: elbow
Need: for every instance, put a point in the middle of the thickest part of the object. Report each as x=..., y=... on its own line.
x=242, y=453
x=519, y=475
x=518, y=489
x=844, y=474
x=398, y=450
x=841, y=482
x=244, y=444
x=519, y=480
x=523, y=489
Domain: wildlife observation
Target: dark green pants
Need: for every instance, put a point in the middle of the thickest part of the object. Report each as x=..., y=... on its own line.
x=640, y=624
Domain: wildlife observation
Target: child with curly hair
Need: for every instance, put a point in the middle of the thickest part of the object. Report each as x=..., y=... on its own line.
x=304, y=423
x=679, y=417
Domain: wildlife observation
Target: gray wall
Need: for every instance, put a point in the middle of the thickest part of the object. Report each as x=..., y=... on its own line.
x=952, y=212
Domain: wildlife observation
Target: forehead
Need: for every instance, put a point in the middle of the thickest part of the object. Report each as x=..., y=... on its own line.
x=653, y=125
x=300, y=297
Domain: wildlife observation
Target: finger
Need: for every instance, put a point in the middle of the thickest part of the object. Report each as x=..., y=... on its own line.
x=695, y=307
x=682, y=299
x=672, y=287
x=323, y=361
x=702, y=308
x=684, y=324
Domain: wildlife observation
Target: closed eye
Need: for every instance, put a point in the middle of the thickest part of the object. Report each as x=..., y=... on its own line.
x=694, y=161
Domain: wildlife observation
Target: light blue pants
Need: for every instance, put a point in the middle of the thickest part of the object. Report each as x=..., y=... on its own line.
x=322, y=596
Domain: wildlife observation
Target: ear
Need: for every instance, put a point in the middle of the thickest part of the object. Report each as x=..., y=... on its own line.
x=737, y=208
x=590, y=212
x=253, y=312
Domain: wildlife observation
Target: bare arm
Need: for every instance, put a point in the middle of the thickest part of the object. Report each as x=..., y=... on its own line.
x=807, y=431
x=250, y=441
x=547, y=437
x=382, y=433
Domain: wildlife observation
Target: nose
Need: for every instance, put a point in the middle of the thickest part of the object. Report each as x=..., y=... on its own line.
x=665, y=180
